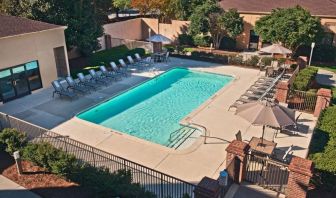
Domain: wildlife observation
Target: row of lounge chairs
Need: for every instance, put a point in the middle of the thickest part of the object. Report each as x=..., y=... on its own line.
x=104, y=77
x=263, y=88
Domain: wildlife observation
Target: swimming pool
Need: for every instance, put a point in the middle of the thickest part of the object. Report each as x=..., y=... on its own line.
x=153, y=109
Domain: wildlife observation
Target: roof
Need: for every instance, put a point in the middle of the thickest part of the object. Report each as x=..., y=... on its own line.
x=325, y=8
x=12, y=26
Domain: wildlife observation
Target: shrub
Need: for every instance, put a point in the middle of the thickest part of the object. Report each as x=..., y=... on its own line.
x=185, y=39
x=206, y=56
x=170, y=48
x=202, y=41
x=322, y=149
x=106, y=184
x=51, y=158
x=113, y=54
x=228, y=43
x=303, y=80
x=12, y=140
x=236, y=60
x=252, y=61
x=266, y=61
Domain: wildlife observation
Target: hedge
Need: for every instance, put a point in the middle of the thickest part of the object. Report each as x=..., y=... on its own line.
x=322, y=150
x=12, y=140
x=113, y=54
x=303, y=80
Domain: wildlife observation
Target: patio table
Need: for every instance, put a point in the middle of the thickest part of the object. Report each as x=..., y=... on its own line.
x=266, y=148
x=158, y=56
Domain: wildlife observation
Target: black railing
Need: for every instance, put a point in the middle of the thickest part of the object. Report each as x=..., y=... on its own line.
x=267, y=173
x=159, y=183
x=302, y=100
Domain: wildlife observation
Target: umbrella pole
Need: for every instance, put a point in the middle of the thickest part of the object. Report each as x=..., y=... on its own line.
x=262, y=137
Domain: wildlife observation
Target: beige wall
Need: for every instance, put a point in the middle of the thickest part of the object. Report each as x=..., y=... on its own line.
x=138, y=29
x=130, y=29
x=34, y=46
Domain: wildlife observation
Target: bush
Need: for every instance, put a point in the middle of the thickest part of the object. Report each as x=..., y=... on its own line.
x=170, y=48
x=303, y=80
x=185, y=39
x=205, y=56
x=236, y=60
x=228, y=43
x=51, y=158
x=322, y=53
x=252, y=61
x=202, y=41
x=12, y=140
x=266, y=61
x=322, y=149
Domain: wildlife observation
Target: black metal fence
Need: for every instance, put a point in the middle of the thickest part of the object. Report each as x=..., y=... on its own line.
x=302, y=100
x=267, y=173
x=159, y=183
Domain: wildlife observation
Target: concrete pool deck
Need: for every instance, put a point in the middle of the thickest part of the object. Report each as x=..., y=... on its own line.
x=190, y=164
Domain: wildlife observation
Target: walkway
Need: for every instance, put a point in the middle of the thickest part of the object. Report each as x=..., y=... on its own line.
x=251, y=191
x=8, y=188
x=325, y=77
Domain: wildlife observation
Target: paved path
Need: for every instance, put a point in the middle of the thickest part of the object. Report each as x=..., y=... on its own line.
x=8, y=188
x=325, y=77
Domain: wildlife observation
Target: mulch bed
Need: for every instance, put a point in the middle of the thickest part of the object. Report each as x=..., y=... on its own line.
x=43, y=183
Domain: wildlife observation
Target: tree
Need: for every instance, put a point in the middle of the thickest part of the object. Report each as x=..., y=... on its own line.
x=84, y=19
x=291, y=27
x=122, y=4
x=211, y=19
x=21, y=8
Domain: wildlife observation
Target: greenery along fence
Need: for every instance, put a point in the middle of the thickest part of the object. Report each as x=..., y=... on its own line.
x=304, y=79
x=161, y=184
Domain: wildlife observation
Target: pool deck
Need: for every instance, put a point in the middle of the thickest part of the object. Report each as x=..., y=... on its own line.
x=190, y=164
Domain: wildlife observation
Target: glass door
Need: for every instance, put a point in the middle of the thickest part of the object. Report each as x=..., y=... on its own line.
x=20, y=81
x=6, y=85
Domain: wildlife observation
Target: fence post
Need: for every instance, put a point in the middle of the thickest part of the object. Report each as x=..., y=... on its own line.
x=323, y=100
x=300, y=172
x=282, y=89
x=93, y=156
x=237, y=149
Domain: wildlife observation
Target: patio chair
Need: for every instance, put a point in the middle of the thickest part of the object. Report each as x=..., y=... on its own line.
x=283, y=156
x=118, y=70
x=86, y=82
x=109, y=74
x=58, y=89
x=269, y=71
x=123, y=65
x=75, y=86
x=138, y=57
x=293, y=129
x=133, y=63
x=98, y=78
x=167, y=58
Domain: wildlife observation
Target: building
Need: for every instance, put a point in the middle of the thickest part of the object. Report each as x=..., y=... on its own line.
x=252, y=10
x=32, y=54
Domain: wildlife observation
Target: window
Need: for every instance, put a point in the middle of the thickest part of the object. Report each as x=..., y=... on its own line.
x=33, y=75
x=254, y=40
x=328, y=38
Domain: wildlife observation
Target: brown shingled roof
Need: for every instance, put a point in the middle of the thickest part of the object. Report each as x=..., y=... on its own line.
x=11, y=26
x=316, y=7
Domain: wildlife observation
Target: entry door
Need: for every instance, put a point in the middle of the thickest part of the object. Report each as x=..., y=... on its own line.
x=20, y=81
x=13, y=83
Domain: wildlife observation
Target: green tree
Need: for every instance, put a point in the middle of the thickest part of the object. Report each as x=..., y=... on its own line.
x=210, y=18
x=84, y=19
x=122, y=4
x=20, y=8
x=291, y=27
x=12, y=140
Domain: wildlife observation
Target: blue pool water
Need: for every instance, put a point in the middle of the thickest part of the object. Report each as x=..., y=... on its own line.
x=153, y=110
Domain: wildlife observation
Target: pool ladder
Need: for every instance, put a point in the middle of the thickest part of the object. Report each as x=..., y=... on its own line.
x=177, y=138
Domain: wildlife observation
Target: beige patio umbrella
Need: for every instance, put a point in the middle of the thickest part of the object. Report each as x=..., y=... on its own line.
x=266, y=114
x=276, y=49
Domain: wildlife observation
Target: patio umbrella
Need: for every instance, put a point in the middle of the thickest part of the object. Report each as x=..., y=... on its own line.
x=159, y=38
x=276, y=49
x=266, y=114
